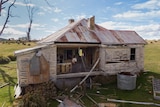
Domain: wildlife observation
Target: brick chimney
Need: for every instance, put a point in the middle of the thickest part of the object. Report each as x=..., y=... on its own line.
x=70, y=21
x=91, y=23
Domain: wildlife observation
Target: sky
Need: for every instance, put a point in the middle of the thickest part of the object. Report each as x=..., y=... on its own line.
x=142, y=16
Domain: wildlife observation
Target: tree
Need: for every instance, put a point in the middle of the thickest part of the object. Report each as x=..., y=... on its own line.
x=8, y=12
x=31, y=10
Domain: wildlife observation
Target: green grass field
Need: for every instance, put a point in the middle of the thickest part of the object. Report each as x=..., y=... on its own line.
x=152, y=57
x=8, y=49
x=143, y=92
x=8, y=72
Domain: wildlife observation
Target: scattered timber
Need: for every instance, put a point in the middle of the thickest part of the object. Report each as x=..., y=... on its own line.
x=68, y=103
x=133, y=102
x=4, y=85
x=92, y=100
x=86, y=75
x=4, y=104
x=80, y=74
x=98, y=95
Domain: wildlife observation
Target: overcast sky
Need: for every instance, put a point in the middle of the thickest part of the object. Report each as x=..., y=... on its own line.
x=142, y=16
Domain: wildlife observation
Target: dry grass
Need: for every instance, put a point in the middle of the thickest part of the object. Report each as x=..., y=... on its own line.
x=152, y=56
x=8, y=49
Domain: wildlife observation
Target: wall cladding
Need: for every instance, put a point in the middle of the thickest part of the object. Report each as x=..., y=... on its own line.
x=47, y=66
x=117, y=59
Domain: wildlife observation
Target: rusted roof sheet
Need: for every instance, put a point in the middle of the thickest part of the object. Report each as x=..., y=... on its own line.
x=79, y=32
x=129, y=37
x=29, y=49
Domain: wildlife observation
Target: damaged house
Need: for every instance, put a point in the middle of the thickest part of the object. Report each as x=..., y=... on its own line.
x=98, y=51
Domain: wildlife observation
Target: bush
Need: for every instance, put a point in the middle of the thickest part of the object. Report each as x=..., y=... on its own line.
x=4, y=60
x=12, y=57
x=34, y=99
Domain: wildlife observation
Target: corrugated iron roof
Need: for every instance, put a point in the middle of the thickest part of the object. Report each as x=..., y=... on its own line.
x=29, y=49
x=80, y=32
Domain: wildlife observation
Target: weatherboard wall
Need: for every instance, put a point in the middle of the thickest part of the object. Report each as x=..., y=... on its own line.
x=115, y=59
x=47, y=66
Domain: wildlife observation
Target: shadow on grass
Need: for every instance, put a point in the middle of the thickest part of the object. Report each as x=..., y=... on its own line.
x=8, y=79
x=142, y=93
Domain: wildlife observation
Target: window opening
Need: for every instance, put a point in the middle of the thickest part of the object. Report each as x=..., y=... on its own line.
x=133, y=54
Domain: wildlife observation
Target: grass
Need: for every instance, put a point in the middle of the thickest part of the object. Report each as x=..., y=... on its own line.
x=8, y=73
x=8, y=49
x=143, y=91
x=152, y=57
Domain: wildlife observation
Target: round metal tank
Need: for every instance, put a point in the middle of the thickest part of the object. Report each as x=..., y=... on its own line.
x=126, y=81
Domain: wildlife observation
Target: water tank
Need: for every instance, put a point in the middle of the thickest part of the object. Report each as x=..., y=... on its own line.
x=126, y=81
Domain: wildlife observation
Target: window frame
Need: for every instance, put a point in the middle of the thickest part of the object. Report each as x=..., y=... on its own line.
x=132, y=54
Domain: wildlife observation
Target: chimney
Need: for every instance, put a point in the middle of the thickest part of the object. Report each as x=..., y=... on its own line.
x=70, y=21
x=91, y=22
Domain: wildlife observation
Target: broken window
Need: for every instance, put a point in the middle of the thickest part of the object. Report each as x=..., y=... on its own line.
x=132, y=54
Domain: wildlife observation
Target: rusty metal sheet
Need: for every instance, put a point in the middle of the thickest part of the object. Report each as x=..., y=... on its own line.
x=107, y=37
x=72, y=37
x=80, y=32
x=129, y=36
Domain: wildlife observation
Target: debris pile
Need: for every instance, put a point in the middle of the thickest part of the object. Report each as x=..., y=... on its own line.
x=37, y=95
x=47, y=89
x=68, y=103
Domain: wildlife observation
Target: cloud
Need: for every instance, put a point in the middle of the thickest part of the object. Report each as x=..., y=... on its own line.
x=34, y=25
x=151, y=4
x=148, y=31
x=50, y=9
x=50, y=31
x=81, y=16
x=55, y=19
x=75, y=17
x=46, y=9
x=118, y=3
x=41, y=13
x=3, y=12
x=19, y=30
x=24, y=4
x=57, y=10
x=138, y=14
x=13, y=33
x=19, y=25
x=115, y=25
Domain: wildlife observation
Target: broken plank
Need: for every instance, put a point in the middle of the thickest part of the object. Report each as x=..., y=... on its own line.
x=4, y=85
x=79, y=74
x=92, y=100
x=86, y=75
x=133, y=102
